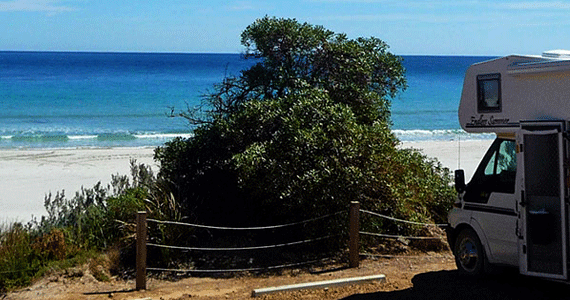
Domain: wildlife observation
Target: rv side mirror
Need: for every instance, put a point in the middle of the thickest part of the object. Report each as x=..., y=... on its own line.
x=459, y=181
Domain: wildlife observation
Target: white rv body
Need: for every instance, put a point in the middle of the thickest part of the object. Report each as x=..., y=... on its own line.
x=531, y=88
x=514, y=211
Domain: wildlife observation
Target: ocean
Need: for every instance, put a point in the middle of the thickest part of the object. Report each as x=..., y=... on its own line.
x=92, y=100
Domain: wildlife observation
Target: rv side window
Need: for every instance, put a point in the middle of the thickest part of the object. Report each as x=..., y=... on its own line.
x=489, y=93
x=496, y=174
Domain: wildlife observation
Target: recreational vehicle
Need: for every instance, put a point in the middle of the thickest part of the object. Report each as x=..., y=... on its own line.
x=514, y=210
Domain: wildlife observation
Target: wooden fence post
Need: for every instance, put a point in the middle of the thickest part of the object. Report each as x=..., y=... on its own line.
x=353, y=244
x=141, y=250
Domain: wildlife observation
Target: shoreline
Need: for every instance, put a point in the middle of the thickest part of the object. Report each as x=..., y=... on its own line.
x=28, y=175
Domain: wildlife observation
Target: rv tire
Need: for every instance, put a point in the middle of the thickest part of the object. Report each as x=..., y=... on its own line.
x=469, y=253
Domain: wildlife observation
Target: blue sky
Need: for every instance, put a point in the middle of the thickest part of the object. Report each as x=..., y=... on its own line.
x=458, y=27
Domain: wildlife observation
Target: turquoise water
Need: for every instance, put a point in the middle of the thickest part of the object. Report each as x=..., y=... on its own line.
x=68, y=100
x=427, y=110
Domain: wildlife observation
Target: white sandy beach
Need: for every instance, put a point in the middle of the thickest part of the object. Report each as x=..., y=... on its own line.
x=28, y=175
x=465, y=154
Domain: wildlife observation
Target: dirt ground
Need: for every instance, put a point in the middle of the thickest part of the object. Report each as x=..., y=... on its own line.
x=424, y=276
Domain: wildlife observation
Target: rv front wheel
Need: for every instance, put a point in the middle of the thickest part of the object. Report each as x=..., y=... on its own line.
x=469, y=253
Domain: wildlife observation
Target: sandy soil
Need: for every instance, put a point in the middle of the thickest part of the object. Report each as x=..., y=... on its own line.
x=399, y=272
x=424, y=276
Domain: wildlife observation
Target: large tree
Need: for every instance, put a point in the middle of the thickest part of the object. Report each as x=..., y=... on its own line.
x=301, y=133
x=361, y=73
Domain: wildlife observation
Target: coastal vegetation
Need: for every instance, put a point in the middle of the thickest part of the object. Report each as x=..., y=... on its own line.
x=300, y=134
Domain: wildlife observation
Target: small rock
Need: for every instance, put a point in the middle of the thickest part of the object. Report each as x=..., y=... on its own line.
x=88, y=278
x=74, y=272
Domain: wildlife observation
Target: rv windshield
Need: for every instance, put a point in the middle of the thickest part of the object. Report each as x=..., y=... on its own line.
x=503, y=161
x=495, y=174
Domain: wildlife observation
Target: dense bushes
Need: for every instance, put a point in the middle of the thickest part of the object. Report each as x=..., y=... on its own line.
x=97, y=219
x=302, y=133
x=16, y=255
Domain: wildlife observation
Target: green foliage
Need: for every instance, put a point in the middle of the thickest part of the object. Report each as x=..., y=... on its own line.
x=302, y=133
x=101, y=217
x=359, y=73
x=95, y=219
x=313, y=163
x=27, y=254
x=18, y=260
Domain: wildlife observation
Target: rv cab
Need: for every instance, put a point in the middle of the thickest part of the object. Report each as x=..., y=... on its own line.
x=514, y=210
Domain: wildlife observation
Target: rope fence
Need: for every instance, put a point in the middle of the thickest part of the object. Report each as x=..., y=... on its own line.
x=245, y=228
x=244, y=248
x=400, y=220
x=142, y=245
x=354, y=244
x=394, y=236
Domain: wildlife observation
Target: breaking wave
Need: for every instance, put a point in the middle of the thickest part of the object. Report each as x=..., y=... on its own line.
x=417, y=135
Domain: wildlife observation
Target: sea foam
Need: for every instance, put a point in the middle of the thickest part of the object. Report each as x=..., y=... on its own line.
x=417, y=135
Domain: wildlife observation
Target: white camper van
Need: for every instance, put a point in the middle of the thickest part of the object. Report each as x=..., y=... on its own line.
x=514, y=211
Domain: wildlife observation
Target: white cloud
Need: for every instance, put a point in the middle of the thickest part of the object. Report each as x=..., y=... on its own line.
x=51, y=6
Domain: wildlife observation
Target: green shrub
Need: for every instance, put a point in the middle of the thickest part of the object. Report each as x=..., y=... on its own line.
x=19, y=259
x=96, y=217
x=302, y=133
x=76, y=230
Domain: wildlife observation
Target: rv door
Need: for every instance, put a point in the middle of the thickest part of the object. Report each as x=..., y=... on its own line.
x=542, y=209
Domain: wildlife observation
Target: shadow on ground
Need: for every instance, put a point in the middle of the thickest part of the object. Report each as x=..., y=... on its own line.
x=452, y=285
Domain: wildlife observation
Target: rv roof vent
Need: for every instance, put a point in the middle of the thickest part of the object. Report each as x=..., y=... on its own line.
x=557, y=54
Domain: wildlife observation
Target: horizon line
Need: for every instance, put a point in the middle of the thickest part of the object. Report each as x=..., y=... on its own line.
x=220, y=53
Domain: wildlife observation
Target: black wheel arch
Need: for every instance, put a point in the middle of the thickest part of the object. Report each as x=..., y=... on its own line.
x=452, y=233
